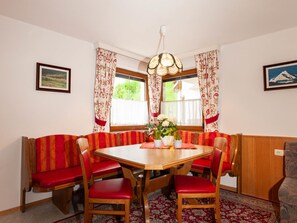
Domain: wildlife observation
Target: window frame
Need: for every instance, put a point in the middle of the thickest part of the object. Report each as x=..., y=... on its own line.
x=184, y=74
x=137, y=75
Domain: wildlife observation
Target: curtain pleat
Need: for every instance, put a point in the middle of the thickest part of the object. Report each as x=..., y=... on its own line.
x=106, y=62
x=155, y=86
x=207, y=71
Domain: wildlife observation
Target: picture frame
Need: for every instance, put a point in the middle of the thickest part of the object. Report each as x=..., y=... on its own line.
x=280, y=76
x=53, y=78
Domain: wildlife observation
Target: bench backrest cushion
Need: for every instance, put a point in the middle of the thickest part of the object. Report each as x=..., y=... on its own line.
x=100, y=140
x=207, y=139
x=56, y=152
x=131, y=137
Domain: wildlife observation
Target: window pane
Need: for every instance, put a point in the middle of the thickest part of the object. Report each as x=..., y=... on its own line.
x=129, y=105
x=180, y=89
x=181, y=98
x=130, y=89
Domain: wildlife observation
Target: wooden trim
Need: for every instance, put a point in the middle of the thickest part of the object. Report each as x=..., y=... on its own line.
x=126, y=128
x=17, y=209
x=191, y=128
x=131, y=73
x=224, y=187
x=184, y=73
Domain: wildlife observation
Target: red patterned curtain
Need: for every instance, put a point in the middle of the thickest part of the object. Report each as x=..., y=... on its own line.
x=106, y=62
x=155, y=86
x=207, y=71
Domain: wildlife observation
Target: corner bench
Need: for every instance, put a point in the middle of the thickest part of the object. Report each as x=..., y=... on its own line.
x=232, y=161
x=51, y=163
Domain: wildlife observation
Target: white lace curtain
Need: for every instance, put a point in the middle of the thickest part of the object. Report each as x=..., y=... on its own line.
x=106, y=63
x=187, y=112
x=126, y=112
x=207, y=71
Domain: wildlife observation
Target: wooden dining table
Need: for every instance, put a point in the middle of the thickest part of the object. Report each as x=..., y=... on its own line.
x=176, y=161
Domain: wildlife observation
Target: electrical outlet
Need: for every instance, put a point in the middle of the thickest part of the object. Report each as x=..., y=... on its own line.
x=279, y=152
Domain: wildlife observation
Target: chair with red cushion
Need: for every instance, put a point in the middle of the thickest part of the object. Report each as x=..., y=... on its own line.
x=111, y=191
x=189, y=187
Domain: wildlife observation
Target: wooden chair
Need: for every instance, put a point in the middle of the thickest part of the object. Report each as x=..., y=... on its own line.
x=198, y=187
x=112, y=191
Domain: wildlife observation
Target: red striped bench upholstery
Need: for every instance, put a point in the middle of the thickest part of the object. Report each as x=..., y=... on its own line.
x=231, y=163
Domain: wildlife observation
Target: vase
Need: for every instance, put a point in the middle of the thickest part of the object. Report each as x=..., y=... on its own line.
x=178, y=144
x=157, y=143
x=168, y=140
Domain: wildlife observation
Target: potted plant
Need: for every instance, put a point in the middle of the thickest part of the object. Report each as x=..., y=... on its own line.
x=167, y=126
x=157, y=140
x=177, y=141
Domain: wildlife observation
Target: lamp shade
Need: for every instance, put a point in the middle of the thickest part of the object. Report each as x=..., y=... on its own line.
x=164, y=63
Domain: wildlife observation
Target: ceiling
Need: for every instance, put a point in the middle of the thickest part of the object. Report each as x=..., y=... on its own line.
x=134, y=25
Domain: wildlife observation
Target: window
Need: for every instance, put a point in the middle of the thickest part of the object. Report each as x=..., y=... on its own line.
x=129, y=103
x=181, y=99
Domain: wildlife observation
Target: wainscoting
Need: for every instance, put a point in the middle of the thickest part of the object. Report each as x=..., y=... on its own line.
x=262, y=170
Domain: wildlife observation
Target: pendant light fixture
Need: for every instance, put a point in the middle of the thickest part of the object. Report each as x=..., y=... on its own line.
x=164, y=63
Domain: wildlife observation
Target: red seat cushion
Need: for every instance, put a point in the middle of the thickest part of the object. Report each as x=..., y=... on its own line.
x=54, y=178
x=57, y=177
x=193, y=184
x=120, y=188
x=200, y=164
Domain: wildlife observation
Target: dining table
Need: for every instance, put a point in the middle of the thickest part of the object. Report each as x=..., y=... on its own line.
x=149, y=159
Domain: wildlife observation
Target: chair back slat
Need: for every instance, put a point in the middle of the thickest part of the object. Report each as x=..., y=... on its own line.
x=85, y=160
x=215, y=167
x=218, y=156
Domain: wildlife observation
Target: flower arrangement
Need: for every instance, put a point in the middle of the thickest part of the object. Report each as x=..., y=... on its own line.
x=166, y=125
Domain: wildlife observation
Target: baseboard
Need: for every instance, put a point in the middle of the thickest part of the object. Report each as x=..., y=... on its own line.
x=16, y=209
x=233, y=189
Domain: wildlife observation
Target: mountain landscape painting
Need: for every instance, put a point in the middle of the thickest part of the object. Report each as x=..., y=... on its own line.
x=281, y=75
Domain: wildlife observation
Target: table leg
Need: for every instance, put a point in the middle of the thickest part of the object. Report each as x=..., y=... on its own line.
x=145, y=192
x=136, y=181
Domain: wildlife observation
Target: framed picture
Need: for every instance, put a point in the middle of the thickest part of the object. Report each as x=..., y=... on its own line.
x=280, y=76
x=53, y=78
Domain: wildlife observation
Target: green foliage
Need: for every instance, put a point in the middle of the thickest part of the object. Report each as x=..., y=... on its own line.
x=169, y=94
x=157, y=135
x=130, y=89
x=177, y=136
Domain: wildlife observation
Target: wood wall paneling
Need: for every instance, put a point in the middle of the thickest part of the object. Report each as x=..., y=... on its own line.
x=262, y=171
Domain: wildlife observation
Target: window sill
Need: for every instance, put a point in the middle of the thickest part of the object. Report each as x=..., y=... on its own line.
x=127, y=128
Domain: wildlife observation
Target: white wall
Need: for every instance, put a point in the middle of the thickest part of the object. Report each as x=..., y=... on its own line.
x=27, y=112
x=245, y=106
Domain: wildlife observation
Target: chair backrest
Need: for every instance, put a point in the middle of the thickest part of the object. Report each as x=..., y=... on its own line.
x=218, y=158
x=85, y=161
